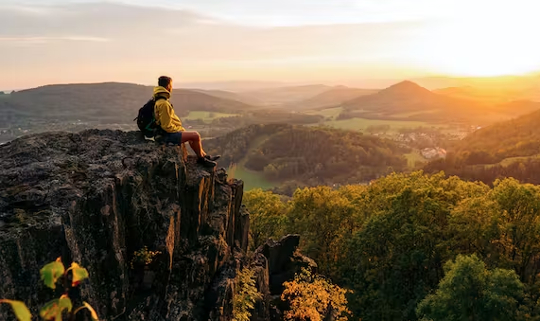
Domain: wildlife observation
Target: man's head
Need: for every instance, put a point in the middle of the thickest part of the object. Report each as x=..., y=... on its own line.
x=165, y=82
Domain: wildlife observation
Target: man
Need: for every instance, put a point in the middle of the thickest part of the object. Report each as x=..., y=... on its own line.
x=172, y=126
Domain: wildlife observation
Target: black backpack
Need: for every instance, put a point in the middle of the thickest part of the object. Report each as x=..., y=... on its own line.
x=146, y=120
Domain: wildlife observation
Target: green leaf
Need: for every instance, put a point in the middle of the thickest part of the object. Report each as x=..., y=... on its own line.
x=79, y=274
x=50, y=310
x=65, y=303
x=51, y=272
x=92, y=311
x=19, y=308
x=53, y=310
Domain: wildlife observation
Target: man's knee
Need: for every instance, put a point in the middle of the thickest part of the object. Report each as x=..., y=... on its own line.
x=196, y=136
x=192, y=136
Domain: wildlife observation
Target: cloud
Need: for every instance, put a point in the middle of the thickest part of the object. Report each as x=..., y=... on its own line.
x=100, y=20
x=111, y=41
x=46, y=40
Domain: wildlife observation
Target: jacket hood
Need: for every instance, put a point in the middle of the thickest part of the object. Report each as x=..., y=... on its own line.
x=160, y=91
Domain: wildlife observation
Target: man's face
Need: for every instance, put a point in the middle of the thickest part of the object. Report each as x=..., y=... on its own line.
x=169, y=87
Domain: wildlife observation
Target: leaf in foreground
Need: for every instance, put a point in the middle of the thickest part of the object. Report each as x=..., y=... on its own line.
x=19, y=308
x=79, y=274
x=51, y=272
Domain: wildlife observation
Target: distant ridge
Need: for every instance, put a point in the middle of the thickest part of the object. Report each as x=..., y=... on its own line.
x=109, y=102
x=332, y=98
x=285, y=95
x=408, y=100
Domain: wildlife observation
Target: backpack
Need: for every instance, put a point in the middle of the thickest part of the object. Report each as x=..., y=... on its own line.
x=146, y=120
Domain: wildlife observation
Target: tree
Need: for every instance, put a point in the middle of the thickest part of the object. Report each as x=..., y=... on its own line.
x=471, y=292
x=313, y=298
x=267, y=213
x=396, y=257
x=322, y=216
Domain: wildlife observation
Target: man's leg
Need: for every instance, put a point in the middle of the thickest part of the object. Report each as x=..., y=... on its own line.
x=194, y=140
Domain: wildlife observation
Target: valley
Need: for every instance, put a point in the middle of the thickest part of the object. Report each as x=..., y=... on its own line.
x=423, y=123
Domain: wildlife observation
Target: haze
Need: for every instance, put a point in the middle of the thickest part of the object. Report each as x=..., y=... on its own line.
x=43, y=42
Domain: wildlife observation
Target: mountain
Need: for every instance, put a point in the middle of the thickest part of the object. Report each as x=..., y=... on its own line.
x=229, y=95
x=236, y=86
x=405, y=98
x=332, y=97
x=506, y=149
x=473, y=93
x=284, y=95
x=105, y=102
x=524, y=87
x=514, y=138
x=408, y=100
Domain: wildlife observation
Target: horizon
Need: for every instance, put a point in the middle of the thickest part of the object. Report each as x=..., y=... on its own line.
x=256, y=84
x=73, y=41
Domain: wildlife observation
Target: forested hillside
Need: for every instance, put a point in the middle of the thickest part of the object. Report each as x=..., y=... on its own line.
x=309, y=156
x=517, y=137
x=116, y=100
x=418, y=247
x=507, y=149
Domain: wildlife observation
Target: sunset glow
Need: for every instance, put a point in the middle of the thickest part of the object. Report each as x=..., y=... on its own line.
x=298, y=41
x=488, y=39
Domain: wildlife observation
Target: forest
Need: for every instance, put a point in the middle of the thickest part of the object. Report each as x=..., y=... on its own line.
x=506, y=149
x=417, y=246
x=309, y=156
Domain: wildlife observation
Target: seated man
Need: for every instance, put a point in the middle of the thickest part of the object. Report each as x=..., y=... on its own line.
x=172, y=126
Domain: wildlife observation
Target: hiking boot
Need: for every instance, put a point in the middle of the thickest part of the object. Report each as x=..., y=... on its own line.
x=206, y=162
x=212, y=158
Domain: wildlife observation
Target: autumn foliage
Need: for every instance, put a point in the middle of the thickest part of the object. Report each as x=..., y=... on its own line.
x=313, y=298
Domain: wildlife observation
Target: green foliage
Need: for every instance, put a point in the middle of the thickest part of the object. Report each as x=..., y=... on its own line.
x=323, y=217
x=470, y=292
x=267, y=216
x=52, y=274
x=79, y=274
x=245, y=295
x=53, y=310
x=314, y=298
x=19, y=308
x=311, y=156
x=143, y=257
x=506, y=149
x=389, y=241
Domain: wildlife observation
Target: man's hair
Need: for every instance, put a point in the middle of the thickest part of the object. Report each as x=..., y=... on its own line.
x=164, y=81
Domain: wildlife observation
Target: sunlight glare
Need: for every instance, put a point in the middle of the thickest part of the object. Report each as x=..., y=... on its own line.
x=487, y=40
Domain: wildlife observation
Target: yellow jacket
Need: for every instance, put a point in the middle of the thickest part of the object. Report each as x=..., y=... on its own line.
x=165, y=116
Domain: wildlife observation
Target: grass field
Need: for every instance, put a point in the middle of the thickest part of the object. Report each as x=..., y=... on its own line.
x=251, y=179
x=510, y=160
x=363, y=123
x=330, y=112
x=207, y=116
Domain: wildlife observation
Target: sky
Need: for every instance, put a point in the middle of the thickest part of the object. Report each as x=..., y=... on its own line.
x=331, y=41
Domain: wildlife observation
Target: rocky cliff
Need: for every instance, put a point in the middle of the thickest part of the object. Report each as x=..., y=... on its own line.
x=99, y=197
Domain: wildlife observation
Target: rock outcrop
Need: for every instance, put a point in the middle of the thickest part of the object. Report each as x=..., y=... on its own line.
x=98, y=197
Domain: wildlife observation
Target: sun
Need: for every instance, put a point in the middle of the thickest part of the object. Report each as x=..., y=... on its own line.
x=487, y=41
